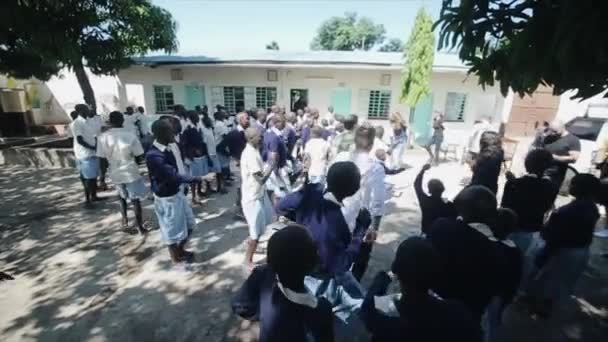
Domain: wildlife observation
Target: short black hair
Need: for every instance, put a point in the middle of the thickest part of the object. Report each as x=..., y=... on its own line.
x=81, y=108
x=506, y=223
x=193, y=116
x=343, y=178
x=129, y=108
x=74, y=114
x=585, y=185
x=350, y=121
x=476, y=203
x=538, y=160
x=292, y=252
x=174, y=122
x=116, y=118
x=417, y=264
x=160, y=125
x=364, y=136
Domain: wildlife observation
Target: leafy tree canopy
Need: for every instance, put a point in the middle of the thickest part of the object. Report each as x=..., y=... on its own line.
x=272, y=46
x=348, y=33
x=40, y=37
x=418, y=57
x=393, y=45
x=524, y=43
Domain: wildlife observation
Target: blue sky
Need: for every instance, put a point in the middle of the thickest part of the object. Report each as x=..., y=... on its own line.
x=206, y=26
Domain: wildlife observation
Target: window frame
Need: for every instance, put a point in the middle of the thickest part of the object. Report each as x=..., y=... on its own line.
x=463, y=111
x=158, y=102
x=231, y=108
x=383, y=99
x=267, y=97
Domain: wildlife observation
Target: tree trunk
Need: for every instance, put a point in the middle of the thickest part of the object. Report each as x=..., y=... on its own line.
x=85, y=86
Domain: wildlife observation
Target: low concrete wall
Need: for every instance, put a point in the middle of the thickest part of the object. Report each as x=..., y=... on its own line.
x=47, y=152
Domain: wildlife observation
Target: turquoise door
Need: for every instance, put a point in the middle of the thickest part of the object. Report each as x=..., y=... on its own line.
x=340, y=100
x=195, y=96
x=420, y=120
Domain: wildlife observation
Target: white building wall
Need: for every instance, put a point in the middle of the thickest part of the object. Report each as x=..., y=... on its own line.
x=320, y=82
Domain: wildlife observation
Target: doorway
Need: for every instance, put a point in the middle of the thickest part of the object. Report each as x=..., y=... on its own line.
x=340, y=100
x=298, y=99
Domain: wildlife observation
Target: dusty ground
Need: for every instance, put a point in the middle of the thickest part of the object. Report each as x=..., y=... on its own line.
x=78, y=278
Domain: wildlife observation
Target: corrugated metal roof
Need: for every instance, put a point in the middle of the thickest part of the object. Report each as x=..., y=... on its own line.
x=442, y=60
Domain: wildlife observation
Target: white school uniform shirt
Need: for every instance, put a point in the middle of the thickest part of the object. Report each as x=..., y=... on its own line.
x=371, y=194
x=251, y=163
x=209, y=139
x=96, y=123
x=378, y=145
x=120, y=146
x=133, y=122
x=475, y=137
x=220, y=129
x=80, y=127
x=318, y=150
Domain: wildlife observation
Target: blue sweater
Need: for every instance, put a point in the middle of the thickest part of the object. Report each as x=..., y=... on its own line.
x=274, y=143
x=162, y=169
x=281, y=319
x=325, y=221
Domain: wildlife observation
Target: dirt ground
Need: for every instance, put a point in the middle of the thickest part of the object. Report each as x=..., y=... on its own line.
x=78, y=278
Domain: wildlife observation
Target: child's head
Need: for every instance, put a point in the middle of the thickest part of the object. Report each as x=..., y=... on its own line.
x=506, y=223
x=417, y=265
x=476, y=203
x=364, y=137
x=292, y=254
x=74, y=115
x=585, y=186
x=316, y=132
x=436, y=187
x=537, y=161
x=324, y=123
x=163, y=131
x=350, y=121
x=379, y=131
x=381, y=154
x=116, y=119
x=193, y=117
x=343, y=179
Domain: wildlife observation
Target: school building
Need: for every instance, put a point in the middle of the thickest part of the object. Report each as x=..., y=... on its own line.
x=363, y=83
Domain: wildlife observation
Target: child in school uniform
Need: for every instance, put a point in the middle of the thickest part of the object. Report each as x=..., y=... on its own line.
x=167, y=175
x=275, y=295
x=274, y=153
x=467, y=247
x=322, y=213
x=213, y=159
x=432, y=206
x=121, y=147
x=316, y=154
x=567, y=237
x=85, y=145
x=417, y=314
x=220, y=131
x=195, y=152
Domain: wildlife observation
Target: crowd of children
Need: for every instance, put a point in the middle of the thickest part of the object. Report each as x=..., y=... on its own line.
x=326, y=178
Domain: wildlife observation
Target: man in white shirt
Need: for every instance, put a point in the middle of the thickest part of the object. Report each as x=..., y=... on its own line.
x=85, y=144
x=121, y=147
x=316, y=154
x=255, y=202
x=371, y=195
x=484, y=125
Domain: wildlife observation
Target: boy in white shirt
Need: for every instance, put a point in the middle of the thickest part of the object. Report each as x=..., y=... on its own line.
x=316, y=155
x=84, y=151
x=255, y=202
x=121, y=147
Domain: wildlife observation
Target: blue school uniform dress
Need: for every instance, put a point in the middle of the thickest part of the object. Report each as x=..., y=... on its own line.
x=278, y=182
x=567, y=237
x=195, y=151
x=432, y=320
x=284, y=315
x=167, y=175
x=338, y=248
x=86, y=160
x=235, y=142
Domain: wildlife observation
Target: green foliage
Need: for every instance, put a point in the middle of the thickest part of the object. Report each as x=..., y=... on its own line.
x=393, y=45
x=418, y=60
x=348, y=33
x=524, y=43
x=40, y=37
x=272, y=46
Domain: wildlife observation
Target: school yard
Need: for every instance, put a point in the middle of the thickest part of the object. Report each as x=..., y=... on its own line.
x=78, y=278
